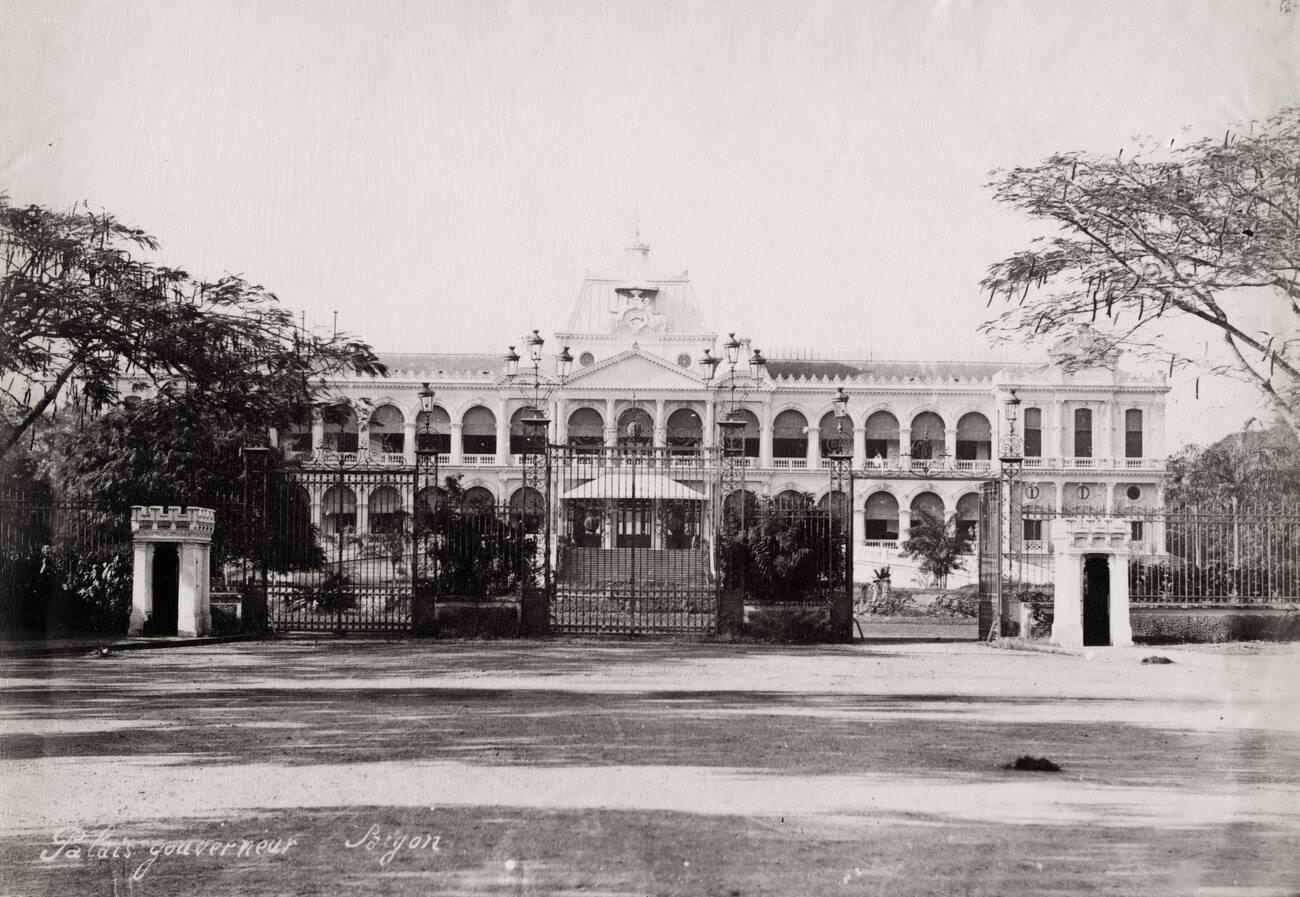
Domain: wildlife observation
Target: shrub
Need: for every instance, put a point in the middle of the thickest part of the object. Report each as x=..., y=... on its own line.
x=66, y=591
x=791, y=625
x=963, y=602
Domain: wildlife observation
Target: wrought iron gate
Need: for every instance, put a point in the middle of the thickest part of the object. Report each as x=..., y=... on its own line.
x=634, y=532
x=348, y=550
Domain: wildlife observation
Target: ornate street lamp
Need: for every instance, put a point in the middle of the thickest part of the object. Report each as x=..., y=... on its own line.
x=534, y=344
x=841, y=461
x=1012, y=455
x=422, y=450
x=732, y=349
x=512, y=362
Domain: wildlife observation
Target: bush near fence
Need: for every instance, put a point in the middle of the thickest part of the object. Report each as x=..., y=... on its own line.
x=62, y=591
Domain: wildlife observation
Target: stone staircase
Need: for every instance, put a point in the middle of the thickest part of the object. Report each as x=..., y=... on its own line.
x=667, y=566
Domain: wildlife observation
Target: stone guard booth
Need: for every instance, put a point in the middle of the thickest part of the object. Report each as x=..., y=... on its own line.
x=1091, y=601
x=171, y=553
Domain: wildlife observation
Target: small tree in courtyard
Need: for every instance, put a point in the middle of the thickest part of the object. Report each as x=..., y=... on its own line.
x=939, y=544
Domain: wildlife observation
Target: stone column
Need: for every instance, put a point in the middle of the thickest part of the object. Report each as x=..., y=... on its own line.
x=765, y=436
x=363, y=509
x=1107, y=434
x=317, y=432
x=859, y=447
x=408, y=442
x=904, y=522
x=503, y=433
x=190, y=529
x=141, y=586
x=709, y=422
x=661, y=425
x=950, y=446
x=457, y=448
x=561, y=421
x=905, y=447
x=814, y=446
x=1121, y=624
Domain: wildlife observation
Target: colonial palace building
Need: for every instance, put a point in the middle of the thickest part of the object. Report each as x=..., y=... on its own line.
x=924, y=434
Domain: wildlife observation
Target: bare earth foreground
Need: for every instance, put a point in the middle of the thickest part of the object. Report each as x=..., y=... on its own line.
x=367, y=767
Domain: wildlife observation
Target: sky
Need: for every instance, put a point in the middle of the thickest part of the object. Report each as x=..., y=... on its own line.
x=442, y=174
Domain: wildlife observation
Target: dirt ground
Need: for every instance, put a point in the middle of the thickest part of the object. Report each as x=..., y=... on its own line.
x=636, y=768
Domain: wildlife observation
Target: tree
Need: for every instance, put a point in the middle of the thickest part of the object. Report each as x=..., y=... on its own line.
x=939, y=544
x=80, y=309
x=1208, y=232
x=1253, y=468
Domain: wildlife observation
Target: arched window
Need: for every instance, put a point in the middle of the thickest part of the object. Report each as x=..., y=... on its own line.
x=478, y=434
x=526, y=438
x=685, y=429
x=296, y=438
x=881, y=518
x=747, y=435
x=927, y=503
x=478, y=497
x=528, y=508
x=974, y=438
x=836, y=434
x=790, y=435
x=968, y=514
x=635, y=427
x=338, y=510
x=1033, y=432
x=586, y=429
x=386, y=431
x=882, y=436
x=340, y=428
x=927, y=436
x=385, y=512
x=433, y=431
x=738, y=500
x=837, y=503
x=428, y=501
x=1133, y=433
x=792, y=500
x=1082, y=433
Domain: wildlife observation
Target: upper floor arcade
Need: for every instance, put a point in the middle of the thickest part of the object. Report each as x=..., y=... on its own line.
x=779, y=429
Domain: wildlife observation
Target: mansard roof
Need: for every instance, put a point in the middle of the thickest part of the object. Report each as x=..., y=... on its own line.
x=604, y=297
x=486, y=365
x=897, y=371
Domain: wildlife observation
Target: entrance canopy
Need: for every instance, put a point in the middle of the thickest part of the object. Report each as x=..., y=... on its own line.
x=646, y=485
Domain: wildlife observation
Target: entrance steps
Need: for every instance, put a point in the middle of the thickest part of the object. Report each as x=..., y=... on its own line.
x=593, y=566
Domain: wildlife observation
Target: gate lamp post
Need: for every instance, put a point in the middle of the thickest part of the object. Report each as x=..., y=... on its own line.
x=1012, y=455
x=422, y=451
x=841, y=458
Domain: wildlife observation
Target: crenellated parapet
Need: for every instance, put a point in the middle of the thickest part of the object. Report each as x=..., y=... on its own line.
x=156, y=523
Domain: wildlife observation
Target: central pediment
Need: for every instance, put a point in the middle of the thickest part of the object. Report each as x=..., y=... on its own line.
x=637, y=370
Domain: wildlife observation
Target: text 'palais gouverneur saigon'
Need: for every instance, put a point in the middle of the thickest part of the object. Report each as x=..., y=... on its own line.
x=924, y=433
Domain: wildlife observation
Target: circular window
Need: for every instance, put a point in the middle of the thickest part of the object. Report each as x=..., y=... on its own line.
x=586, y=359
x=684, y=360
x=1031, y=492
x=1084, y=493
x=1133, y=493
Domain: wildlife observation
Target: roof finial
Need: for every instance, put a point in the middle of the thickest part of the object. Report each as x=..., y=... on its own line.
x=638, y=245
